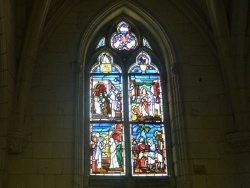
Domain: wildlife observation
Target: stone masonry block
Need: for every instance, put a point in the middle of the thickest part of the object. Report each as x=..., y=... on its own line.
x=50, y=166
x=36, y=181
x=14, y=165
x=62, y=150
x=43, y=150
x=50, y=181
x=49, y=135
x=63, y=181
x=67, y=166
x=40, y=108
x=65, y=135
x=29, y=166
x=199, y=181
x=53, y=121
x=204, y=150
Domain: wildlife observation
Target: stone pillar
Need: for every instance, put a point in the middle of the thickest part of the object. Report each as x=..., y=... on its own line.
x=16, y=135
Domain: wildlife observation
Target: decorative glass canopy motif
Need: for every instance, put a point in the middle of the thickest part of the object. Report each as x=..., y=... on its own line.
x=123, y=39
x=105, y=64
x=143, y=64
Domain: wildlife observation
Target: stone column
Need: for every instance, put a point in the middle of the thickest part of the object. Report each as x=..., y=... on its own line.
x=16, y=136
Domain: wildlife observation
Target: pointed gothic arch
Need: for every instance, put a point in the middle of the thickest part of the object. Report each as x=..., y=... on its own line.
x=168, y=63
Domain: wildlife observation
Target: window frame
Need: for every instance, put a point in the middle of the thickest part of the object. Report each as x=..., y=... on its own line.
x=163, y=46
x=120, y=58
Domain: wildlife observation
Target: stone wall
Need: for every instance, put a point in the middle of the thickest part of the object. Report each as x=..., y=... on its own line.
x=201, y=157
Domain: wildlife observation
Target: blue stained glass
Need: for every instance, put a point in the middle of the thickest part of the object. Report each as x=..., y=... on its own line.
x=144, y=78
x=106, y=97
x=101, y=43
x=123, y=39
x=144, y=91
x=148, y=150
x=105, y=64
x=106, y=90
x=145, y=130
x=143, y=64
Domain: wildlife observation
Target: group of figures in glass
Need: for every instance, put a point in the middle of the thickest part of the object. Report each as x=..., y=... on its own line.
x=108, y=152
x=106, y=149
x=144, y=117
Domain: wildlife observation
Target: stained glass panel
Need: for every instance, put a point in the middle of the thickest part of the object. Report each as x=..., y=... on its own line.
x=107, y=149
x=148, y=146
x=101, y=43
x=123, y=39
x=144, y=91
x=145, y=98
x=148, y=149
x=105, y=90
x=146, y=43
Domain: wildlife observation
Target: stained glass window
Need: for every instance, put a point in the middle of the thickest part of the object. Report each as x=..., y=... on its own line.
x=123, y=39
x=134, y=108
x=146, y=43
x=101, y=43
